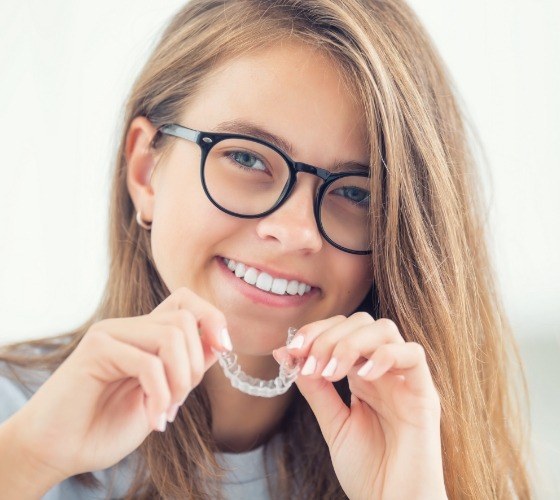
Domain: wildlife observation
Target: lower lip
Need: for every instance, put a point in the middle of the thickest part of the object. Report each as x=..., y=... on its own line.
x=260, y=296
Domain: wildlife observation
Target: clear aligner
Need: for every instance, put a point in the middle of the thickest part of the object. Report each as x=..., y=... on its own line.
x=256, y=386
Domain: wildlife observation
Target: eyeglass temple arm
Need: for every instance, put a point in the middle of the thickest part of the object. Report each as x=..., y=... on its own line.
x=178, y=131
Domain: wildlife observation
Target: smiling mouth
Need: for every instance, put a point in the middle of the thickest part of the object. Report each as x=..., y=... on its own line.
x=265, y=282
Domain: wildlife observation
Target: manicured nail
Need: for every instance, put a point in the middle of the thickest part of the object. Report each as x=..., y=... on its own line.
x=172, y=412
x=364, y=370
x=162, y=422
x=330, y=368
x=296, y=343
x=225, y=340
x=309, y=366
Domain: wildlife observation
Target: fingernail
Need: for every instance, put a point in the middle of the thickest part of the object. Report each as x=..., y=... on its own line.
x=330, y=368
x=225, y=340
x=364, y=370
x=162, y=422
x=172, y=412
x=296, y=343
x=309, y=366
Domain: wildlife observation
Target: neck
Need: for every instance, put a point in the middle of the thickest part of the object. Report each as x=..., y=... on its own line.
x=241, y=422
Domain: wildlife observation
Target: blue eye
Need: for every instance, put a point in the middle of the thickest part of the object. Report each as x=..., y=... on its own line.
x=247, y=160
x=355, y=195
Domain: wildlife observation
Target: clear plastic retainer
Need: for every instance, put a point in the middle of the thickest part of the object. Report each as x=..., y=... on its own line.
x=256, y=386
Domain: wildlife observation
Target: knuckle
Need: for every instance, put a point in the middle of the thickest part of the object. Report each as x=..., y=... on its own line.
x=348, y=345
x=419, y=350
x=363, y=316
x=197, y=379
x=385, y=349
x=181, y=297
x=182, y=293
x=153, y=365
x=320, y=326
x=152, y=372
x=182, y=388
x=185, y=318
x=389, y=326
x=384, y=353
x=94, y=338
x=99, y=325
x=173, y=334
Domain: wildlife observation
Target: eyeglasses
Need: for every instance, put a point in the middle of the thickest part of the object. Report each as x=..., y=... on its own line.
x=249, y=177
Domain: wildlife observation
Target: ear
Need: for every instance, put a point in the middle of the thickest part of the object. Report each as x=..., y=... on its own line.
x=140, y=162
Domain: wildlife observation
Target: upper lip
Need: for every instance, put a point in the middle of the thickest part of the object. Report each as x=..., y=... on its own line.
x=274, y=272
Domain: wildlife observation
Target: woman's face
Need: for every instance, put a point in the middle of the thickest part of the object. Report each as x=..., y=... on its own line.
x=295, y=93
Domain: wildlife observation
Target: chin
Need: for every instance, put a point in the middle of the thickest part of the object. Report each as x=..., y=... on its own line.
x=256, y=338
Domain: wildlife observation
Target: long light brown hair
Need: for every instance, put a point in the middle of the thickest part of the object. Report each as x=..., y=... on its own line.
x=432, y=273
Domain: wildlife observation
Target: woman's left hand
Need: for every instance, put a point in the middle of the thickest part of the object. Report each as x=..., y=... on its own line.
x=387, y=443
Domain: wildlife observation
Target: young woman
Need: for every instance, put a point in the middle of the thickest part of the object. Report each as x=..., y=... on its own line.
x=282, y=164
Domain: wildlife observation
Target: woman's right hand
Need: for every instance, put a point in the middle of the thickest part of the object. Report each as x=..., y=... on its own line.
x=123, y=380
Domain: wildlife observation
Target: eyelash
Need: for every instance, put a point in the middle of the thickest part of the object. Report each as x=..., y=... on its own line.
x=231, y=154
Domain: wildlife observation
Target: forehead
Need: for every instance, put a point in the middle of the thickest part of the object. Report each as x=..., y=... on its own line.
x=291, y=89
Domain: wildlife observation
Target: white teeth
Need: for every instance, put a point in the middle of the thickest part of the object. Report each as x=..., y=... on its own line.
x=265, y=281
x=240, y=270
x=279, y=286
x=251, y=275
x=292, y=287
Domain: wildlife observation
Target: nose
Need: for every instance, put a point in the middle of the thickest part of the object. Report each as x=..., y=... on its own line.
x=293, y=224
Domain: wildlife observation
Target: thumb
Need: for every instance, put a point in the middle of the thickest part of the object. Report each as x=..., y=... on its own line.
x=325, y=402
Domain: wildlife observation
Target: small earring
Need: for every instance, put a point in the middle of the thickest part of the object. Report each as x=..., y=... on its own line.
x=141, y=223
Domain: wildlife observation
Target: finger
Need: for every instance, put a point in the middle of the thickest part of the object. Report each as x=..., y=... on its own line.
x=324, y=400
x=409, y=360
x=327, y=406
x=338, y=351
x=197, y=363
x=117, y=360
x=300, y=344
x=319, y=345
x=167, y=341
x=210, y=320
x=199, y=360
x=281, y=355
x=320, y=339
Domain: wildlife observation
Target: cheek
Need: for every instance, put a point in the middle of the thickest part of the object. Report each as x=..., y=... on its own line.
x=178, y=232
x=352, y=281
x=186, y=235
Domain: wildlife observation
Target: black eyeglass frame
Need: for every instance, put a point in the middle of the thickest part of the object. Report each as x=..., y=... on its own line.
x=207, y=140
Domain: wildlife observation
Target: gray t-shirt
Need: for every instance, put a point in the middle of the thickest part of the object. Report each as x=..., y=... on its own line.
x=246, y=477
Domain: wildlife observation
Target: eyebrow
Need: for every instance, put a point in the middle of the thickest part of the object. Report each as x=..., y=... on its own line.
x=245, y=127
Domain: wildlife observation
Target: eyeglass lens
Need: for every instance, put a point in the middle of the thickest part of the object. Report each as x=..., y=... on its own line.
x=248, y=178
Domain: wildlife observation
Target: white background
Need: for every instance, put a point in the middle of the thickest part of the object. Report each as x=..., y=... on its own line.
x=66, y=66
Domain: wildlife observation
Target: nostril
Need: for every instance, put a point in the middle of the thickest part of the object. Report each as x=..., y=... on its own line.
x=295, y=227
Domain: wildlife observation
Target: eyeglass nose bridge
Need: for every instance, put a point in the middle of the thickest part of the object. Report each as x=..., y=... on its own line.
x=310, y=169
x=297, y=167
